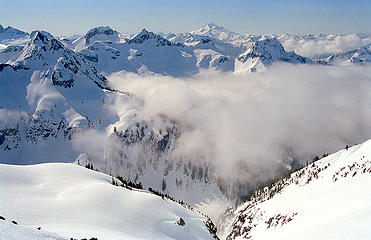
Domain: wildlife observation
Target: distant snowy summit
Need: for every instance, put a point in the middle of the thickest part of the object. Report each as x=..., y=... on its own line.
x=12, y=36
x=218, y=32
x=104, y=33
x=359, y=56
x=158, y=40
x=11, y=31
x=265, y=52
x=43, y=51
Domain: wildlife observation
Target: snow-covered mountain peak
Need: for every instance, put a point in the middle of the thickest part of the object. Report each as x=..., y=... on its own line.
x=267, y=44
x=97, y=34
x=11, y=30
x=359, y=55
x=50, y=83
x=218, y=32
x=45, y=53
x=101, y=33
x=42, y=49
x=264, y=52
x=210, y=27
x=100, y=30
x=143, y=32
x=145, y=35
x=142, y=36
x=39, y=38
x=12, y=36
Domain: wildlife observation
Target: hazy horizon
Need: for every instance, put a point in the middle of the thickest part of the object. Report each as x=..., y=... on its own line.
x=126, y=16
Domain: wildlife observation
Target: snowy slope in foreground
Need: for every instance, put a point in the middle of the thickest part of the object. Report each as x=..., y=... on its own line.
x=10, y=231
x=73, y=201
x=330, y=199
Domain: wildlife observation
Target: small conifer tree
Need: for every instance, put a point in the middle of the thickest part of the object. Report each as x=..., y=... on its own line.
x=163, y=185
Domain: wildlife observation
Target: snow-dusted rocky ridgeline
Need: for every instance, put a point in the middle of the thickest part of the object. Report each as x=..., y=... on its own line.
x=328, y=199
x=67, y=201
x=321, y=48
x=210, y=47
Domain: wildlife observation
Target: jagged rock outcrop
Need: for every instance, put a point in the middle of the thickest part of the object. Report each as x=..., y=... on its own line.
x=265, y=52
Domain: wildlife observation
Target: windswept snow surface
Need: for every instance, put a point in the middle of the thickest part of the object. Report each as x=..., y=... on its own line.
x=72, y=201
x=10, y=231
x=336, y=205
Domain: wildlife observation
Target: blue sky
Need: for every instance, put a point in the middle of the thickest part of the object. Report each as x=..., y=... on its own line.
x=69, y=17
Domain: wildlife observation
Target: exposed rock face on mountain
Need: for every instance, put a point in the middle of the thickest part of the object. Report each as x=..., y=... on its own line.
x=210, y=59
x=265, y=52
x=42, y=52
x=8, y=53
x=143, y=153
x=46, y=84
x=144, y=35
x=104, y=33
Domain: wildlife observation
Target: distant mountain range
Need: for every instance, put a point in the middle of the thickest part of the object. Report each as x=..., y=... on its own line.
x=185, y=54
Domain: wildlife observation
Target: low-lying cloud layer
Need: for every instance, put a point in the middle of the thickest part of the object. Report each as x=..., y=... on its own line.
x=259, y=119
x=324, y=46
